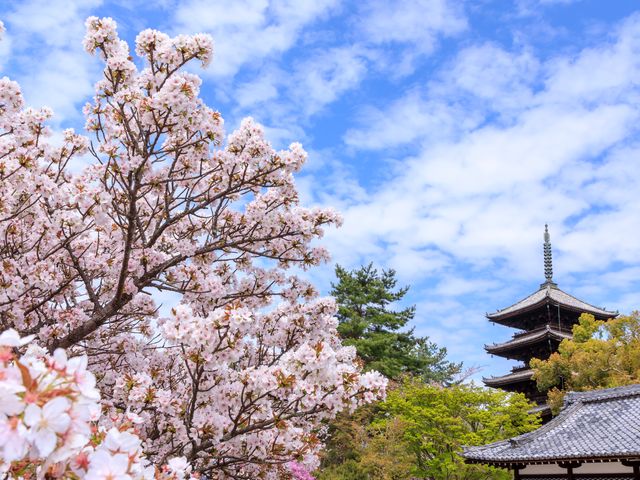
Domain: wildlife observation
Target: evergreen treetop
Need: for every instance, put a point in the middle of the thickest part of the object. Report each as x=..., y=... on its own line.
x=370, y=323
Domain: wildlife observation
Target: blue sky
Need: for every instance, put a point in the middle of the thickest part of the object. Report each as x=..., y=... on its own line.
x=447, y=132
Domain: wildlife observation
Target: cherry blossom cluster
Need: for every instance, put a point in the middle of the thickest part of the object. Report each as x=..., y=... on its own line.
x=240, y=377
x=299, y=472
x=49, y=407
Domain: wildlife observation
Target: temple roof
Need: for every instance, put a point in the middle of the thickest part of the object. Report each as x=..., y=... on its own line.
x=549, y=293
x=528, y=338
x=596, y=425
x=514, y=377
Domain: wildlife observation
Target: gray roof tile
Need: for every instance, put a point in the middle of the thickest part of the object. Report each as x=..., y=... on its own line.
x=553, y=293
x=602, y=424
x=531, y=337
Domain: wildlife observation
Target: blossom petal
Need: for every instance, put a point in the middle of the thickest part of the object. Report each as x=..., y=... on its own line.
x=32, y=414
x=46, y=442
x=11, y=338
x=56, y=406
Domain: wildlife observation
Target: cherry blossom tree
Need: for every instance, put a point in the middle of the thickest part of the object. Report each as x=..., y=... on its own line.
x=48, y=412
x=239, y=376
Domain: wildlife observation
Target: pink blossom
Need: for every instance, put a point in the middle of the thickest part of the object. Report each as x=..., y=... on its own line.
x=246, y=367
x=299, y=472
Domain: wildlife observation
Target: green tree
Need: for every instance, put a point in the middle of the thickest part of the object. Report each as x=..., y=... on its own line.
x=419, y=432
x=381, y=453
x=368, y=321
x=600, y=355
x=365, y=298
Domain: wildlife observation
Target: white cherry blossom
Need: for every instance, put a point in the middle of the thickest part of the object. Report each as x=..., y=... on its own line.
x=47, y=423
x=13, y=442
x=105, y=466
x=11, y=338
x=240, y=376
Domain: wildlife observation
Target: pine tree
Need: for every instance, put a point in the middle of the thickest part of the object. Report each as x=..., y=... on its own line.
x=368, y=321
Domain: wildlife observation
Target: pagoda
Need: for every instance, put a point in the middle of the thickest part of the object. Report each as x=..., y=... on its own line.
x=544, y=319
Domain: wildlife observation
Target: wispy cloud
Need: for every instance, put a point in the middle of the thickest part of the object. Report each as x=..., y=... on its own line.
x=47, y=55
x=503, y=142
x=418, y=22
x=248, y=31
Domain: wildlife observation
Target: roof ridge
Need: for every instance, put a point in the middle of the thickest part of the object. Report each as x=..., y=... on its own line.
x=546, y=293
x=532, y=335
x=586, y=303
x=519, y=371
x=592, y=425
x=529, y=436
x=600, y=395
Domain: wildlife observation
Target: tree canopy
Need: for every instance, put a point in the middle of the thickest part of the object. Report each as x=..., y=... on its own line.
x=601, y=354
x=368, y=321
x=419, y=432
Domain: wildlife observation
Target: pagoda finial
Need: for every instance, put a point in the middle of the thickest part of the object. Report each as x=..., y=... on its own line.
x=548, y=265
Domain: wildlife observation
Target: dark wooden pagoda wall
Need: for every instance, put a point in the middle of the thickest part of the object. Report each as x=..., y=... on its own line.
x=546, y=315
x=529, y=388
x=541, y=350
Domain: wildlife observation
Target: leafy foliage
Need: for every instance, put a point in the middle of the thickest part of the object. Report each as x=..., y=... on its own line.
x=419, y=431
x=600, y=355
x=375, y=452
x=368, y=322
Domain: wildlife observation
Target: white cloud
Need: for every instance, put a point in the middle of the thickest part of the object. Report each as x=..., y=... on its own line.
x=555, y=2
x=62, y=81
x=52, y=21
x=461, y=286
x=533, y=7
x=599, y=74
x=248, y=31
x=5, y=49
x=414, y=116
x=262, y=89
x=420, y=22
x=288, y=98
x=326, y=76
x=404, y=31
x=480, y=192
x=490, y=73
x=51, y=64
x=454, y=103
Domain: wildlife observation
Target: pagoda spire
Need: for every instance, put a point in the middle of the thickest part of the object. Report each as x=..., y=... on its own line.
x=548, y=261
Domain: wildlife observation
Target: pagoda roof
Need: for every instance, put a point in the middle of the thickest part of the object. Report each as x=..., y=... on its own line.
x=528, y=338
x=517, y=376
x=600, y=425
x=549, y=293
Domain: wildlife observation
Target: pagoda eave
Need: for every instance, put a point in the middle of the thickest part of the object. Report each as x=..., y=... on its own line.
x=544, y=319
x=548, y=295
x=511, y=379
x=507, y=319
x=534, y=338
